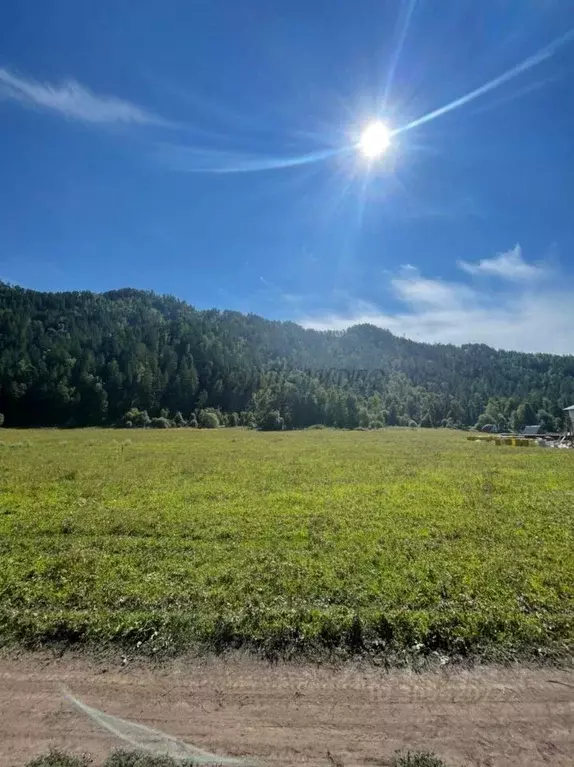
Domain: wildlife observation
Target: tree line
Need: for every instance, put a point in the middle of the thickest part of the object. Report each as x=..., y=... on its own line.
x=136, y=358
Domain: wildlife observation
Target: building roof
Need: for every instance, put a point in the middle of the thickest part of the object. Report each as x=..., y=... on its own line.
x=531, y=430
x=569, y=408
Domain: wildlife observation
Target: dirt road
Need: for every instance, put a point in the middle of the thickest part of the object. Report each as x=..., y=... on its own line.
x=292, y=715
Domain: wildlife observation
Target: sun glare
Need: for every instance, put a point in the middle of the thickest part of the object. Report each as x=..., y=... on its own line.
x=375, y=140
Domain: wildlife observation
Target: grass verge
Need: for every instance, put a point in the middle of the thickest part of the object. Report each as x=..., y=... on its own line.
x=57, y=758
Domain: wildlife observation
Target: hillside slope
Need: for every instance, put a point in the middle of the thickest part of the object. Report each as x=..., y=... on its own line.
x=82, y=358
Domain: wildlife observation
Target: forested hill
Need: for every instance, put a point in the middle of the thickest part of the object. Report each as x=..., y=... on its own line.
x=79, y=359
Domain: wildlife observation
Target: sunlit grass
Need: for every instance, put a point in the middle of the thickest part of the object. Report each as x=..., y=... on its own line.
x=390, y=542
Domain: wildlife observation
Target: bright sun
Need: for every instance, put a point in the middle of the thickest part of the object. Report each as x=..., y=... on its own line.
x=375, y=140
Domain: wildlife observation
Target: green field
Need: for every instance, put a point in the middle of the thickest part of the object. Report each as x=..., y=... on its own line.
x=392, y=543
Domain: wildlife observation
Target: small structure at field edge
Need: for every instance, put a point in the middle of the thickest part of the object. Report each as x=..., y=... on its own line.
x=532, y=435
x=570, y=428
x=531, y=431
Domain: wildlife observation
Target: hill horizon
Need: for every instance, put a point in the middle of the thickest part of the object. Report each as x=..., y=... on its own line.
x=86, y=359
x=127, y=290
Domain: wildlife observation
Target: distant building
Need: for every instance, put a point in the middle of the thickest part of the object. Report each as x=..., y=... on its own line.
x=570, y=411
x=531, y=431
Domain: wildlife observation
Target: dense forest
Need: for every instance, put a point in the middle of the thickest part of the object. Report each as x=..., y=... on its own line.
x=135, y=358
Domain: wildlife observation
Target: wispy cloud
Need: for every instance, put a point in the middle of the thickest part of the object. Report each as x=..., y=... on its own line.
x=198, y=159
x=509, y=265
x=418, y=291
x=523, y=316
x=73, y=101
x=277, y=295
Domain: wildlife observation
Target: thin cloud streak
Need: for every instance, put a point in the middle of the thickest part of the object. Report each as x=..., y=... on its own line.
x=189, y=159
x=537, y=58
x=404, y=28
x=74, y=101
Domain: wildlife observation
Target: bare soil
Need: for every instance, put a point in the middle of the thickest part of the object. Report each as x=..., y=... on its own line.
x=292, y=714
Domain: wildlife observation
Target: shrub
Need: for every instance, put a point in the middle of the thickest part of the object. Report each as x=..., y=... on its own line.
x=192, y=422
x=233, y=419
x=413, y=424
x=179, y=420
x=248, y=419
x=364, y=418
x=160, y=423
x=141, y=418
x=1, y=419
x=270, y=420
x=207, y=419
x=136, y=418
x=143, y=759
x=56, y=758
x=376, y=425
x=119, y=758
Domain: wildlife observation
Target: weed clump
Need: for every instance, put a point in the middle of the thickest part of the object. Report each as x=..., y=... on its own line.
x=57, y=758
x=417, y=759
x=143, y=759
x=124, y=758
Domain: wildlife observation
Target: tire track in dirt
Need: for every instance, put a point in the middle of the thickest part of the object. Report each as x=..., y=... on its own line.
x=289, y=714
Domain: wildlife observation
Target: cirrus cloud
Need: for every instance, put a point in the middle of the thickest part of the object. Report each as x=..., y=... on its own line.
x=74, y=101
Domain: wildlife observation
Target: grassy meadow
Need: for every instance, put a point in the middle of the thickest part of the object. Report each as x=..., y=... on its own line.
x=395, y=543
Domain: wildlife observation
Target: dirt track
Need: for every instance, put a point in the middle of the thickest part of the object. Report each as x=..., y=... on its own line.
x=293, y=715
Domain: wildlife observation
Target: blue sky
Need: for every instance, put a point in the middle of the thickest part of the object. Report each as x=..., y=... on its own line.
x=208, y=149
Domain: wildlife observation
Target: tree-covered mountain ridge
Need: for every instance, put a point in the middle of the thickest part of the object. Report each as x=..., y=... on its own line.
x=86, y=359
